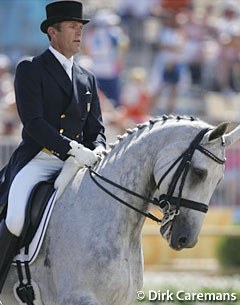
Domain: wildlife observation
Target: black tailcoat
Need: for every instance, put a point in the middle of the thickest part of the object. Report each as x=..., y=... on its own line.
x=53, y=111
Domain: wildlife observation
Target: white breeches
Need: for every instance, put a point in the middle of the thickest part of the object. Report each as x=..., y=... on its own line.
x=40, y=168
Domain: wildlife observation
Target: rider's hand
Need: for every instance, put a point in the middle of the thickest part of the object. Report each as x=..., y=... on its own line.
x=82, y=155
x=100, y=151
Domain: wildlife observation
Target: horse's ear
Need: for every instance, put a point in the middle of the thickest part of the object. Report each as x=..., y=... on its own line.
x=218, y=131
x=232, y=136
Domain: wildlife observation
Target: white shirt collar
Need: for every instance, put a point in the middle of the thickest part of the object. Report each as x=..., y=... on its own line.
x=60, y=57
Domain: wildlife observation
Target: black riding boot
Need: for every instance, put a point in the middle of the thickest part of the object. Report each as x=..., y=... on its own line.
x=8, y=248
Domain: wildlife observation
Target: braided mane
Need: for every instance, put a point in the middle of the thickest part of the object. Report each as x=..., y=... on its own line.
x=164, y=118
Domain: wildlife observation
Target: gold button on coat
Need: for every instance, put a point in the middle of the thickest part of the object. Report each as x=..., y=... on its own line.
x=63, y=116
x=61, y=130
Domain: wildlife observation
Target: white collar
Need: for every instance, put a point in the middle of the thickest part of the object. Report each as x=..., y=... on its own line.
x=60, y=57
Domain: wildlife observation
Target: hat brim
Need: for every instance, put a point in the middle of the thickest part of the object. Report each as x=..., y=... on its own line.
x=48, y=22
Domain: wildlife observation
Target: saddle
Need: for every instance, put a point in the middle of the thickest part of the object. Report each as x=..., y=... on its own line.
x=38, y=212
x=36, y=206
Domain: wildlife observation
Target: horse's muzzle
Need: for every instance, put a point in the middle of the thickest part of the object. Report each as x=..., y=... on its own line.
x=181, y=242
x=179, y=233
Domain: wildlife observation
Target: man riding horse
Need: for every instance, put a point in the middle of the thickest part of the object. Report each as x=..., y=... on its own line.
x=58, y=105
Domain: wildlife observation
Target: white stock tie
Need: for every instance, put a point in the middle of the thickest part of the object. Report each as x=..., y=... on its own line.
x=67, y=65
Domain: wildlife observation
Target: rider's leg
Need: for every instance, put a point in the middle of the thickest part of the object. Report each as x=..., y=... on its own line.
x=38, y=169
x=8, y=248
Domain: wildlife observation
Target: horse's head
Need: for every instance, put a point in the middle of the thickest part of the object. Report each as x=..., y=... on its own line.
x=187, y=183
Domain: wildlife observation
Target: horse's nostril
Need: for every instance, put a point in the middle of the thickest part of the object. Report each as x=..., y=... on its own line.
x=182, y=241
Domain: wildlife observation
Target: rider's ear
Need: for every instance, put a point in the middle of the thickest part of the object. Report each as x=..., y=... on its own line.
x=218, y=131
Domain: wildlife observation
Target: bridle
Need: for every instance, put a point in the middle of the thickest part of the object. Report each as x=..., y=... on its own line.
x=169, y=204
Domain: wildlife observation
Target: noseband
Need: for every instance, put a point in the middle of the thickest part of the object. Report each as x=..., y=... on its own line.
x=169, y=204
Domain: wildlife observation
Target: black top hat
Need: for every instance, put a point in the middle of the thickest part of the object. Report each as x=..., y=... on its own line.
x=62, y=11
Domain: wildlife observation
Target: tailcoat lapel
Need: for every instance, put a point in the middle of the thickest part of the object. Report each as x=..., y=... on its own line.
x=57, y=71
x=80, y=82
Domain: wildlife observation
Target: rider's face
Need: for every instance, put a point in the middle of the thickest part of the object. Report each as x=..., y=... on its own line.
x=67, y=39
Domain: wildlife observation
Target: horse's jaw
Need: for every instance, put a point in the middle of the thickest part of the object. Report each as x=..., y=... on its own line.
x=183, y=231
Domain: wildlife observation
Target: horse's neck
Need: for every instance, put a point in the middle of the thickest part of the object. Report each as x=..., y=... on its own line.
x=130, y=164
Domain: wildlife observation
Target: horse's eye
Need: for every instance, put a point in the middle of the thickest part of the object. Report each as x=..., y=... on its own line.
x=198, y=174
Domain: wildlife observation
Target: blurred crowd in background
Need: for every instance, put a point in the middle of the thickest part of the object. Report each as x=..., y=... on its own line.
x=150, y=57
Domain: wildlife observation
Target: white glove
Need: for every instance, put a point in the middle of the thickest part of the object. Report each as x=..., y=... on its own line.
x=100, y=151
x=82, y=155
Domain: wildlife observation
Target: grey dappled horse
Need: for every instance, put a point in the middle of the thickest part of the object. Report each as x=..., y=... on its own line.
x=92, y=252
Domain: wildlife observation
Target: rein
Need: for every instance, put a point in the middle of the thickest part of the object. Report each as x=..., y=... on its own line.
x=165, y=201
x=153, y=201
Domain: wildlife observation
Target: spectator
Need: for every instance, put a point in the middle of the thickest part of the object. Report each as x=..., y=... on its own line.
x=111, y=115
x=175, y=6
x=134, y=107
x=227, y=35
x=9, y=117
x=106, y=43
x=6, y=79
x=10, y=123
x=135, y=97
x=134, y=14
x=165, y=75
x=194, y=31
